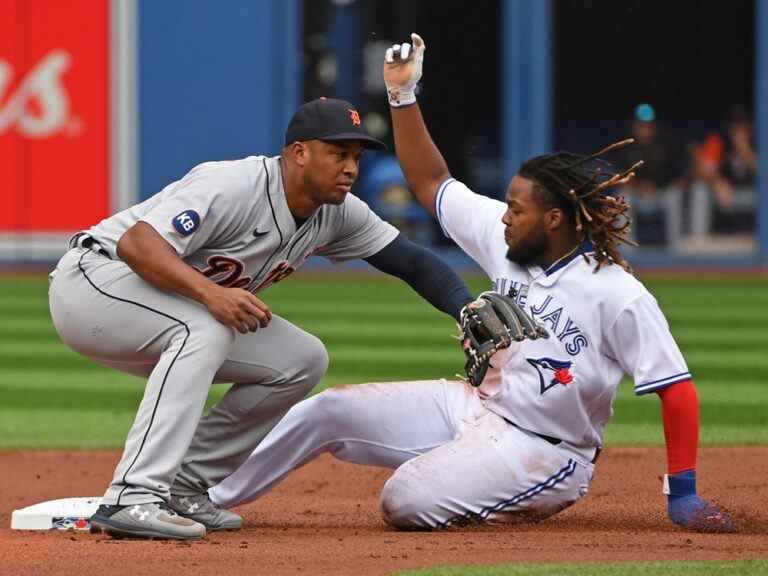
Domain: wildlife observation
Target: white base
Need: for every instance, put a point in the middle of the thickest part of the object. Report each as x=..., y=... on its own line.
x=62, y=514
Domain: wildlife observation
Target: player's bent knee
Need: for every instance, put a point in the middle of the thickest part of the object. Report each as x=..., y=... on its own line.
x=405, y=503
x=313, y=359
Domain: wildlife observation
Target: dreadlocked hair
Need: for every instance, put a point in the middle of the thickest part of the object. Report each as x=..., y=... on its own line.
x=577, y=184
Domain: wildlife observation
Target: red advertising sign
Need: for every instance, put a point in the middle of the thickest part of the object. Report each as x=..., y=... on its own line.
x=54, y=114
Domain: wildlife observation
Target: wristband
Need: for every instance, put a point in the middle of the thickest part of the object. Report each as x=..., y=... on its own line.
x=399, y=97
x=677, y=485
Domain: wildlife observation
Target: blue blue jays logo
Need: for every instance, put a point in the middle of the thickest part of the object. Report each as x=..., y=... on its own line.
x=556, y=371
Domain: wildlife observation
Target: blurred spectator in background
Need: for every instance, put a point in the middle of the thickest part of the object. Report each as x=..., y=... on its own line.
x=722, y=187
x=656, y=206
x=384, y=188
x=741, y=159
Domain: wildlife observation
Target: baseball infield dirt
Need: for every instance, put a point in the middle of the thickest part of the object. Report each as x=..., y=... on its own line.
x=325, y=520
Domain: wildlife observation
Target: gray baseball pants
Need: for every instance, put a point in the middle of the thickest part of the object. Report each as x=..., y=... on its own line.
x=106, y=312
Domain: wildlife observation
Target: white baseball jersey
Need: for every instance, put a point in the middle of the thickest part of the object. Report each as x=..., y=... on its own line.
x=457, y=457
x=602, y=325
x=230, y=220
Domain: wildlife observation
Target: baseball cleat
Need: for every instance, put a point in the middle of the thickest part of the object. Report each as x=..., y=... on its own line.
x=710, y=518
x=200, y=509
x=148, y=520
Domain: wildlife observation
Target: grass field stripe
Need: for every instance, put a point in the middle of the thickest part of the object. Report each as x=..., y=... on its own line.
x=672, y=568
x=727, y=358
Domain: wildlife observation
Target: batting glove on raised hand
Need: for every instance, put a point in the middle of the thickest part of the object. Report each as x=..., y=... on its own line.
x=686, y=509
x=402, y=71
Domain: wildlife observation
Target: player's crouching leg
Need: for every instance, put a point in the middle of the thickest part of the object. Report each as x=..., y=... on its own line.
x=243, y=417
x=310, y=362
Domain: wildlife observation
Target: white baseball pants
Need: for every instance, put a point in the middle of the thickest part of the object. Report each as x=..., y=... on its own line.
x=456, y=461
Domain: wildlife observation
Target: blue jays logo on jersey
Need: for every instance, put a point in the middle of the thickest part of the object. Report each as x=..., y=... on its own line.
x=552, y=372
x=186, y=222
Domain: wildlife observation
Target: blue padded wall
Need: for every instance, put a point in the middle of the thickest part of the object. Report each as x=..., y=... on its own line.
x=217, y=80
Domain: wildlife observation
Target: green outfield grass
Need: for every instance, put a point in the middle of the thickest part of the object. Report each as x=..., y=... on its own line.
x=742, y=568
x=378, y=329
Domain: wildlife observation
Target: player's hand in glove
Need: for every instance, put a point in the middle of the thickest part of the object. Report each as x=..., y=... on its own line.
x=686, y=509
x=489, y=324
x=402, y=71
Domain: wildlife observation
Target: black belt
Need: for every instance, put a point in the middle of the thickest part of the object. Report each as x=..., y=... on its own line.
x=552, y=440
x=85, y=240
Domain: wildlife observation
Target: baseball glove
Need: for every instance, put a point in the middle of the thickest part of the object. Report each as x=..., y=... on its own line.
x=489, y=324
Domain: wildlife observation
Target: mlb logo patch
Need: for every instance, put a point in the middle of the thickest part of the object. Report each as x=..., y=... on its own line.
x=186, y=222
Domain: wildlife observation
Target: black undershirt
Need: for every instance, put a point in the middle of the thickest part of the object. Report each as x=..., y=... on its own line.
x=432, y=278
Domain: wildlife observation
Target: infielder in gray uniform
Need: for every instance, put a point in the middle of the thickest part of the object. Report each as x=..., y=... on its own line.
x=166, y=290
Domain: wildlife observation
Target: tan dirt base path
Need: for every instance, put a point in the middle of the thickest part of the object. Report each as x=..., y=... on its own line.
x=324, y=520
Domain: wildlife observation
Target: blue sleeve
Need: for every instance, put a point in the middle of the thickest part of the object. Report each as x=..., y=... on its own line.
x=432, y=278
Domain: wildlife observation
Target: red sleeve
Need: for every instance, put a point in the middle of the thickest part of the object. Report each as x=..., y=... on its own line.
x=680, y=412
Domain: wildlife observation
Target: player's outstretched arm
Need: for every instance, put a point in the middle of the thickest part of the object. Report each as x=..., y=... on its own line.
x=152, y=258
x=432, y=278
x=680, y=411
x=421, y=161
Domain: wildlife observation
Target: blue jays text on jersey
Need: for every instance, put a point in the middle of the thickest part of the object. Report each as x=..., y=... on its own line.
x=553, y=315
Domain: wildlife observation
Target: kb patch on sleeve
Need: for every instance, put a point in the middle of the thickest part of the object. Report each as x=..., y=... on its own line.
x=186, y=222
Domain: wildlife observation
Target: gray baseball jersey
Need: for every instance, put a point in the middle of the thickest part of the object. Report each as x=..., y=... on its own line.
x=230, y=220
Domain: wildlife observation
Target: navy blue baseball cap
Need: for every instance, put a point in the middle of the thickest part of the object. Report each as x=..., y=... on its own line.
x=329, y=119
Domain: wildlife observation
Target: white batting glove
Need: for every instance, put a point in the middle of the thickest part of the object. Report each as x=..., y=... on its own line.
x=402, y=71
